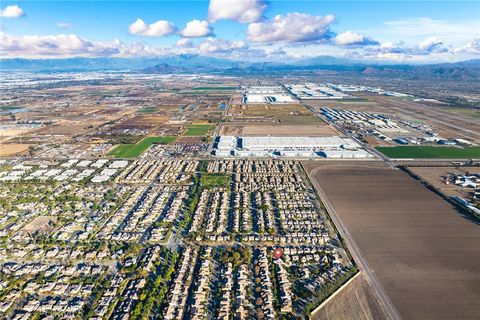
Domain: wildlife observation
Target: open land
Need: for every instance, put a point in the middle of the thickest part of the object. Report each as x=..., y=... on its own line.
x=12, y=149
x=357, y=300
x=409, y=237
x=278, y=130
x=437, y=177
x=429, y=152
x=281, y=114
x=198, y=129
x=134, y=150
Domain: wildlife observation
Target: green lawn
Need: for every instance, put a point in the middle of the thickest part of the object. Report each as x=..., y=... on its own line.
x=147, y=110
x=215, y=180
x=134, y=150
x=429, y=152
x=6, y=108
x=198, y=129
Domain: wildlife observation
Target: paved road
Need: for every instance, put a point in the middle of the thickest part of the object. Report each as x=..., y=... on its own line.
x=355, y=250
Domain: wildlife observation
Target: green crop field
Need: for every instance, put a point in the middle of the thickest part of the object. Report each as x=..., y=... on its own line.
x=429, y=152
x=147, y=110
x=198, y=129
x=134, y=150
x=215, y=180
x=6, y=108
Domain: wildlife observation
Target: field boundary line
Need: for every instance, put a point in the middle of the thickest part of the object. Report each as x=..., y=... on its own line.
x=343, y=286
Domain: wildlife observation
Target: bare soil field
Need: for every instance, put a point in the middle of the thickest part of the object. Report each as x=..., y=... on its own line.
x=13, y=149
x=65, y=129
x=147, y=119
x=435, y=177
x=355, y=301
x=255, y=110
x=424, y=253
x=279, y=130
x=11, y=131
x=189, y=140
x=290, y=114
x=40, y=223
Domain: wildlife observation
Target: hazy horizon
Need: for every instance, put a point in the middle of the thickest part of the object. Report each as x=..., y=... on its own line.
x=247, y=30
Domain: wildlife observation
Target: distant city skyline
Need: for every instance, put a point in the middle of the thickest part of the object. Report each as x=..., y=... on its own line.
x=390, y=31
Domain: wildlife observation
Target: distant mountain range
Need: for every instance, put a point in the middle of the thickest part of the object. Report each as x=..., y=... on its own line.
x=132, y=64
x=200, y=64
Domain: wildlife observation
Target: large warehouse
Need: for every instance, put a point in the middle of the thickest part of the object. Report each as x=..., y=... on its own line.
x=307, y=147
x=266, y=94
x=313, y=91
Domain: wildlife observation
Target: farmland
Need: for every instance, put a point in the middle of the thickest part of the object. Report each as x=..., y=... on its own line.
x=356, y=300
x=408, y=236
x=319, y=129
x=148, y=110
x=134, y=150
x=198, y=129
x=430, y=152
x=13, y=148
x=218, y=88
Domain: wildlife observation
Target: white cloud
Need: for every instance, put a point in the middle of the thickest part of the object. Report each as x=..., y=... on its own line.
x=157, y=29
x=472, y=47
x=430, y=49
x=244, y=11
x=13, y=11
x=70, y=45
x=275, y=51
x=184, y=43
x=431, y=44
x=212, y=45
x=197, y=28
x=428, y=46
x=413, y=30
x=64, y=25
x=425, y=27
x=292, y=27
x=350, y=38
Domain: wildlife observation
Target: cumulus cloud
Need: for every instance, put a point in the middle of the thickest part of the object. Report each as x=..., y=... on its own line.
x=244, y=11
x=197, y=28
x=13, y=11
x=71, y=45
x=64, y=25
x=275, y=51
x=426, y=47
x=184, y=43
x=350, y=38
x=213, y=45
x=432, y=44
x=292, y=27
x=472, y=47
x=68, y=45
x=157, y=29
x=430, y=48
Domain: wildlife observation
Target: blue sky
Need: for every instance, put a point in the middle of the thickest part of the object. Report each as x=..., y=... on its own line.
x=373, y=30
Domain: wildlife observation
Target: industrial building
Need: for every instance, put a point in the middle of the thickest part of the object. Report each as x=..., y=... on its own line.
x=266, y=94
x=289, y=147
x=313, y=91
